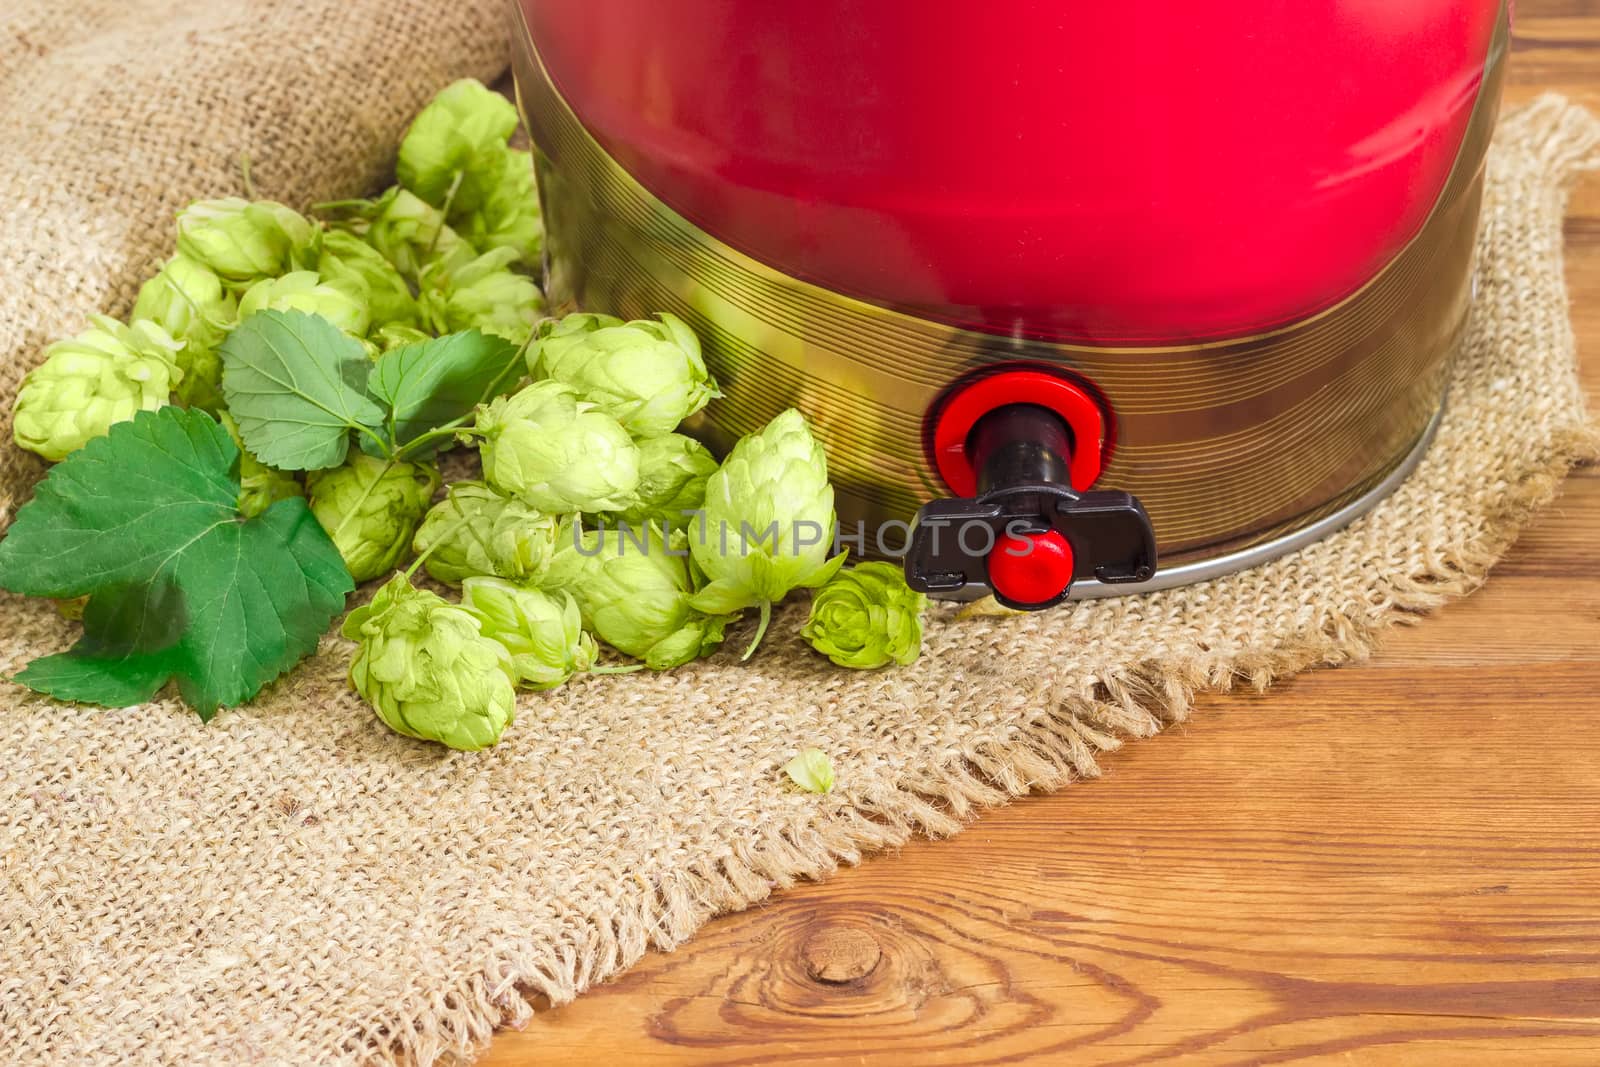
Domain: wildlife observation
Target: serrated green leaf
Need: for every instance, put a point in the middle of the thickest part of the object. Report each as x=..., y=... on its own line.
x=115, y=682
x=297, y=385
x=121, y=620
x=428, y=384
x=145, y=522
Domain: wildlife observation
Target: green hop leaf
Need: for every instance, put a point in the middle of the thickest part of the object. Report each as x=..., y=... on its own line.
x=475, y=531
x=556, y=452
x=302, y=290
x=542, y=631
x=297, y=386
x=768, y=524
x=484, y=294
x=649, y=376
x=371, y=508
x=867, y=617
x=427, y=669
x=673, y=470
x=103, y=376
x=188, y=300
x=145, y=521
x=85, y=675
x=354, y=267
x=429, y=384
x=509, y=216
x=242, y=240
x=633, y=588
x=811, y=770
x=452, y=150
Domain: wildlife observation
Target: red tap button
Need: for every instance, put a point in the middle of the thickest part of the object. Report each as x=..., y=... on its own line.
x=1031, y=568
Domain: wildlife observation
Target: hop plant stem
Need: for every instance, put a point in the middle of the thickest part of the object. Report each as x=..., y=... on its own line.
x=244, y=176
x=761, y=630
x=444, y=211
x=449, y=532
x=454, y=428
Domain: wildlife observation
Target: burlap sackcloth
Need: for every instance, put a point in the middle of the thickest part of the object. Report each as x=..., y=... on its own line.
x=296, y=884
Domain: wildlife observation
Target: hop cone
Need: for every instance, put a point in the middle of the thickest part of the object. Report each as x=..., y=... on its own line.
x=673, y=470
x=243, y=240
x=357, y=269
x=483, y=293
x=387, y=338
x=649, y=376
x=303, y=290
x=427, y=669
x=768, y=523
x=260, y=486
x=552, y=450
x=634, y=589
x=452, y=149
x=476, y=530
x=411, y=234
x=543, y=632
x=509, y=216
x=370, y=508
x=105, y=375
x=867, y=617
x=188, y=300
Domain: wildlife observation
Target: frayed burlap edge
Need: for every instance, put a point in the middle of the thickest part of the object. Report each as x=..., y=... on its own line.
x=1046, y=754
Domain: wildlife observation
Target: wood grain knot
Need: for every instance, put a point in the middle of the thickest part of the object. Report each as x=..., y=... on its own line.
x=836, y=954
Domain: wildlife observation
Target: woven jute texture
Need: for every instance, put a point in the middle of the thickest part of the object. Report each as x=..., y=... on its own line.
x=295, y=884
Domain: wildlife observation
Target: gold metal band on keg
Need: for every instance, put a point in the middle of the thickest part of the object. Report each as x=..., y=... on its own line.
x=1227, y=443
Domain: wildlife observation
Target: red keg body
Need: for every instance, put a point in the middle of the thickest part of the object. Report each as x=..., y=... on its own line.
x=1142, y=172
x=1212, y=259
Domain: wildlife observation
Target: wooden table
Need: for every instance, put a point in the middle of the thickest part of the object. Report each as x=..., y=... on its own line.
x=1393, y=862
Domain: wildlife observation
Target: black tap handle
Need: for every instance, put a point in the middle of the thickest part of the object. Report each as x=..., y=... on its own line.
x=1025, y=503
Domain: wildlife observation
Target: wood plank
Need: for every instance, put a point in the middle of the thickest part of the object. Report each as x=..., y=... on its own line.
x=1396, y=885
x=1389, y=864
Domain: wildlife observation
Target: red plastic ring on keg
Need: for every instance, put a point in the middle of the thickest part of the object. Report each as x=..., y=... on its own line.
x=1081, y=412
